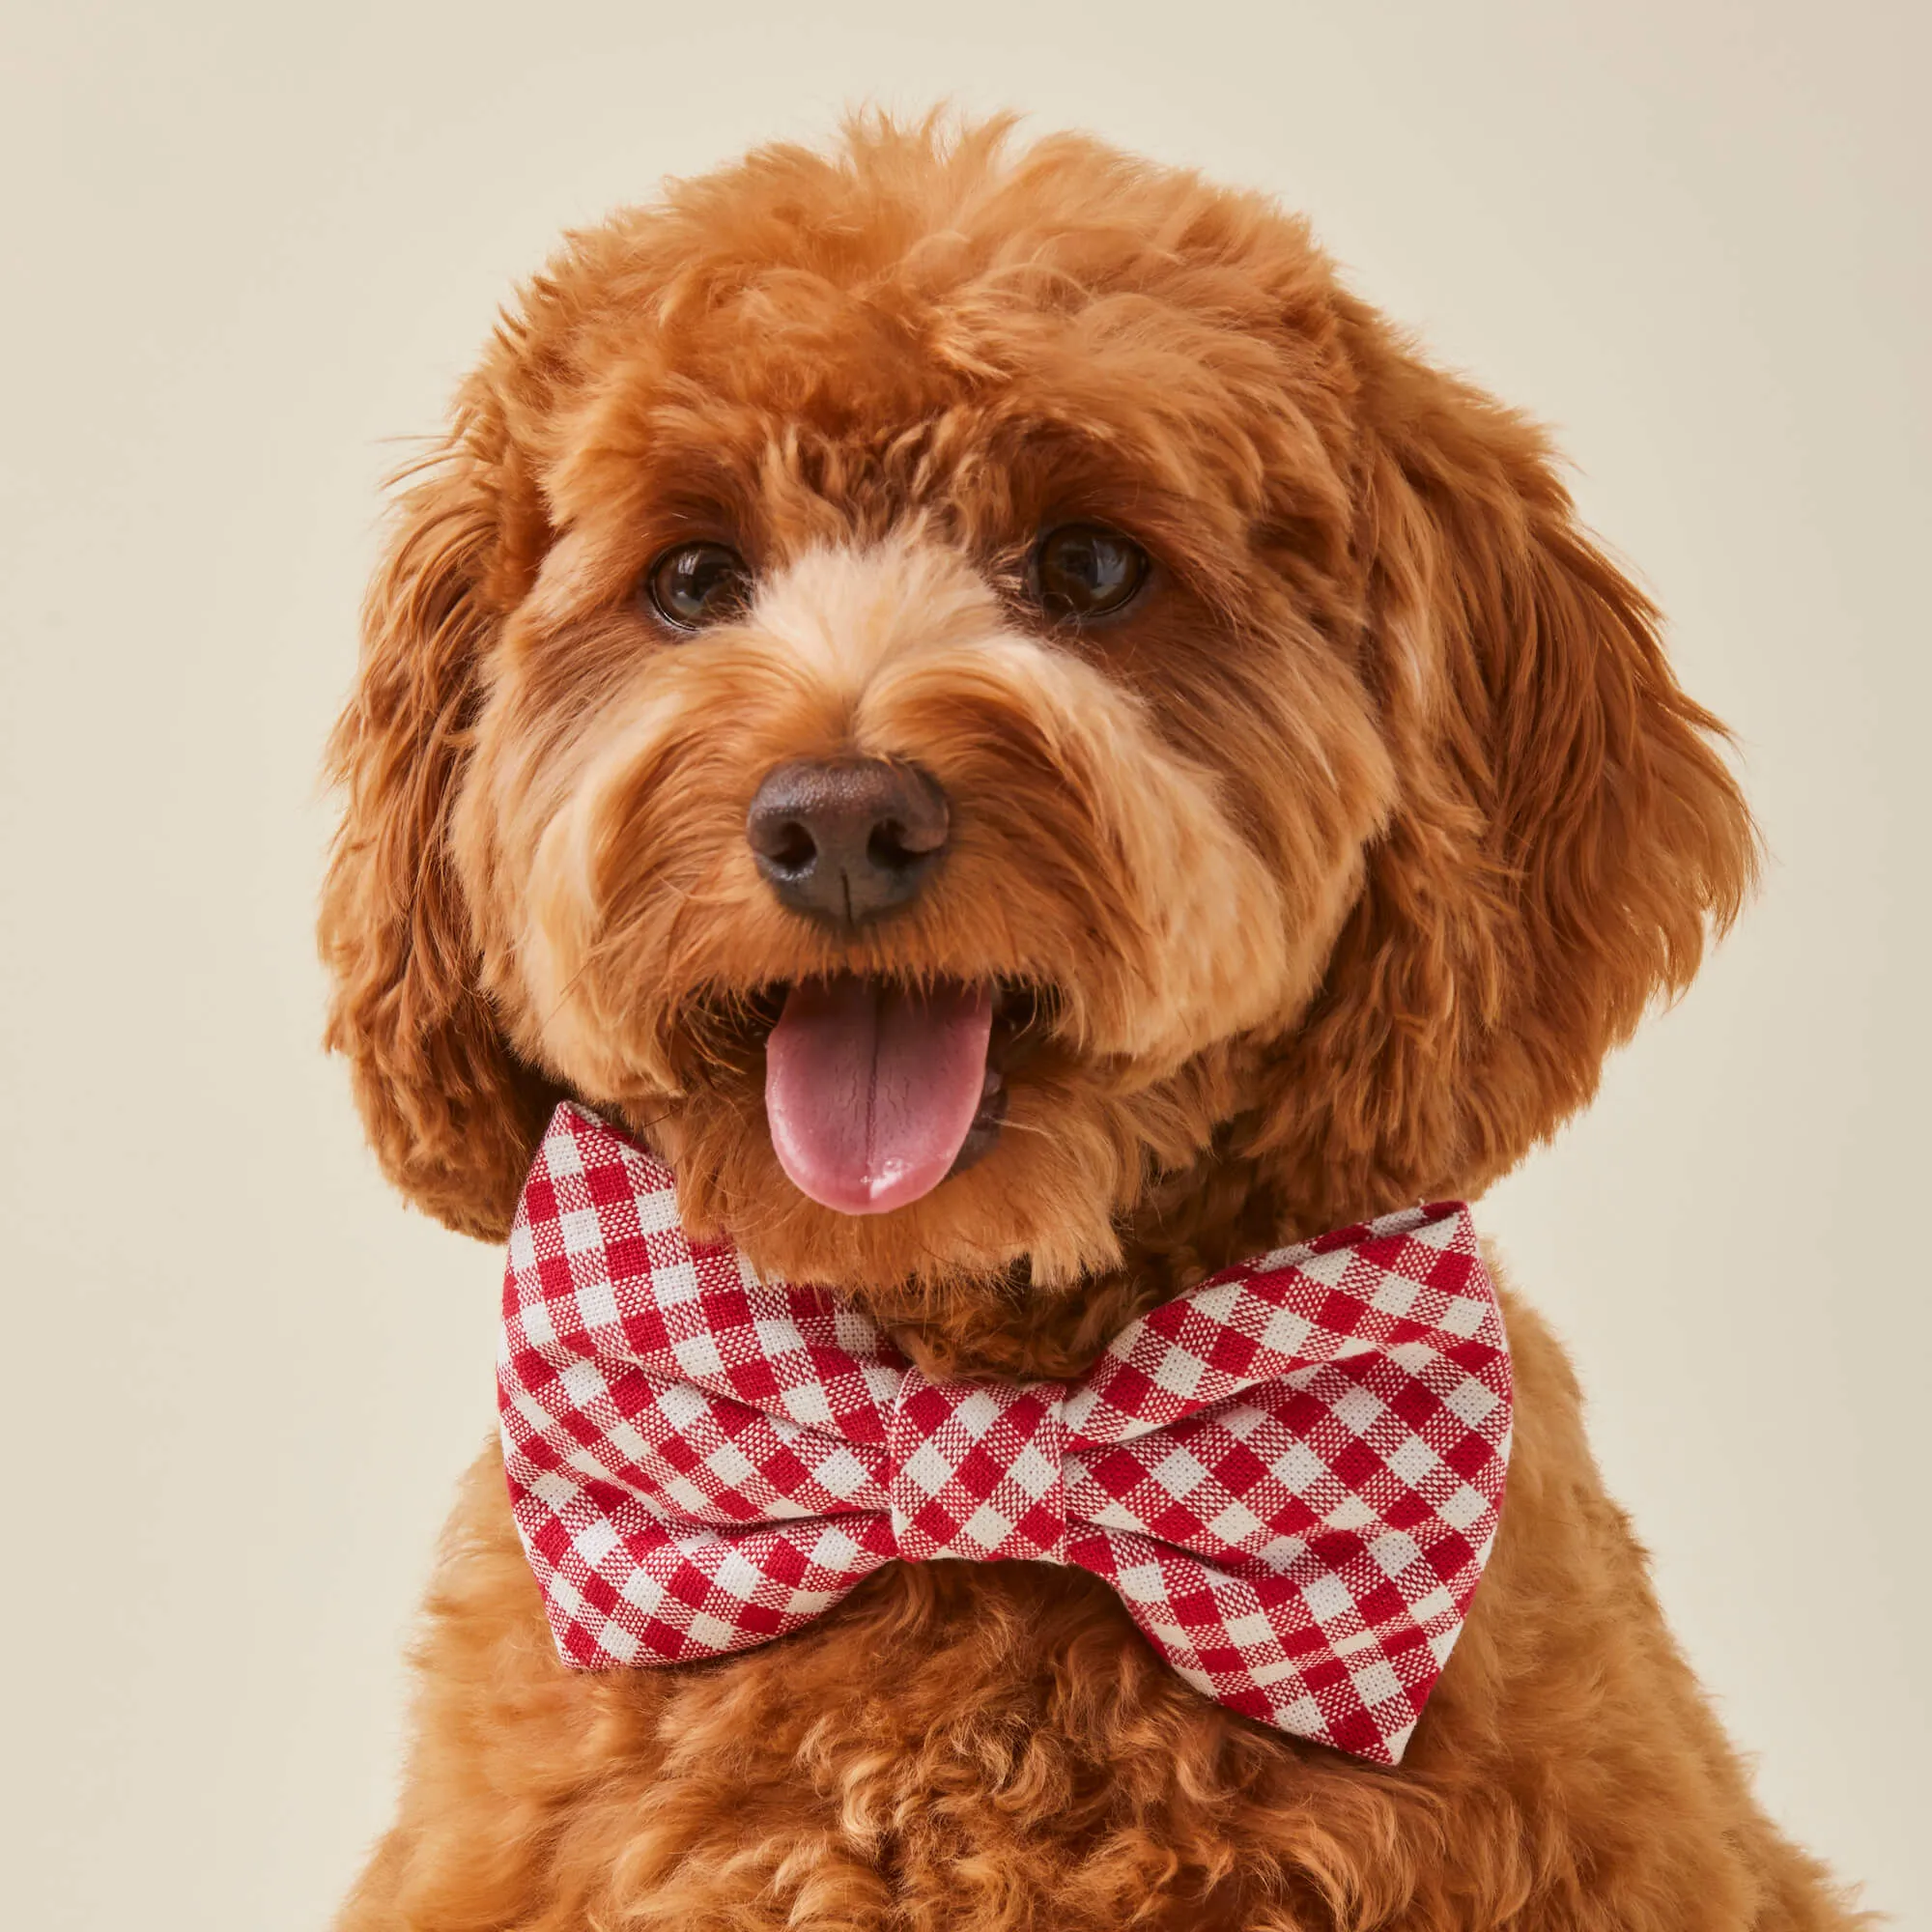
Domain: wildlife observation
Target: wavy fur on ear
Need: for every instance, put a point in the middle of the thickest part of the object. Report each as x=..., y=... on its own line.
x=1566, y=836
x=451, y=1116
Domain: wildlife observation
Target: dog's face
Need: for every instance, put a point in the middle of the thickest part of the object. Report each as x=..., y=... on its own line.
x=942, y=688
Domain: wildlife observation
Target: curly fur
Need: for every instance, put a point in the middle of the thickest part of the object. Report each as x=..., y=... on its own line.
x=1347, y=856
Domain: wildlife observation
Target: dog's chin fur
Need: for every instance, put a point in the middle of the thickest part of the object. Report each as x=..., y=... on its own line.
x=1321, y=878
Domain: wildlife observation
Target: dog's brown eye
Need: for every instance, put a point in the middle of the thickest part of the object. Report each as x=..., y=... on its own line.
x=698, y=584
x=1082, y=571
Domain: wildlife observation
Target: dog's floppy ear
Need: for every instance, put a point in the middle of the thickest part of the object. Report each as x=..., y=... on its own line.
x=1565, y=834
x=452, y=1116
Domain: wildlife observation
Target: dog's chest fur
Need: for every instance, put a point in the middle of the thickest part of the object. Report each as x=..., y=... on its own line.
x=988, y=1748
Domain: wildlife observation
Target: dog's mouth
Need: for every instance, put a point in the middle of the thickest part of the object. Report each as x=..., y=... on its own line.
x=877, y=1089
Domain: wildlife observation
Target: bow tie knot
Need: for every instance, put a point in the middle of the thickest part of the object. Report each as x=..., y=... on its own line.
x=977, y=1470
x=1291, y=1475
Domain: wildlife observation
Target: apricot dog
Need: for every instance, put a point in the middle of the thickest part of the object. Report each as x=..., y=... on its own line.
x=929, y=580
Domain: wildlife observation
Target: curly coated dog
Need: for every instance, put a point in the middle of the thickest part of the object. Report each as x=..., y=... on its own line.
x=1020, y=739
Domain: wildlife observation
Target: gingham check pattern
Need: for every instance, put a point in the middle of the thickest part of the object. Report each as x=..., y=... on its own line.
x=1291, y=1474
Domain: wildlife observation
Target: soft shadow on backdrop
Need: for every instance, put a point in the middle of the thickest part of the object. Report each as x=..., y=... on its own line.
x=247, y=245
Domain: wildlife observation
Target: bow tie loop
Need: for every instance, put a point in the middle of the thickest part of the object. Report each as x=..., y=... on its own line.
x=978, y=1471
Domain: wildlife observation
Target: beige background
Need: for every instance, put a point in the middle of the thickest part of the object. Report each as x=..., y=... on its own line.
x=246, y=244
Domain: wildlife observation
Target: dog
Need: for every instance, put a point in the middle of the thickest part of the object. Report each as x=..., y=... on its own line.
x=1008, y=620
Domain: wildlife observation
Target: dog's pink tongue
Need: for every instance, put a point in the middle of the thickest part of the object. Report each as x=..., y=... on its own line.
x=871, y=1088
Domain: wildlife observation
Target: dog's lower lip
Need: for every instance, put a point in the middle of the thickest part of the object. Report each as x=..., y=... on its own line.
x=984, y=1135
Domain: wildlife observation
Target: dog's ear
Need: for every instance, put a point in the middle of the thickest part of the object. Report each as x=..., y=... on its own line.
x=1565, y=834
x=452, y=1116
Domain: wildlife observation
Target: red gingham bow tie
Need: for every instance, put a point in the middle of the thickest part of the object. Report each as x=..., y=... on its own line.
x=1291, y=1474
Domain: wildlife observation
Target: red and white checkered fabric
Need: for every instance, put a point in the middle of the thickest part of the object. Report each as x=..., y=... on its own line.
x=1292, y=1474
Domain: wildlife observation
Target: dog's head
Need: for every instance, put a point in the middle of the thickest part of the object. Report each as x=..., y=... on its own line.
x=941, y=686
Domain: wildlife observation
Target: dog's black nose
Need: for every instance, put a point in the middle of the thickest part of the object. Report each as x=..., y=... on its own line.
x=847, y=840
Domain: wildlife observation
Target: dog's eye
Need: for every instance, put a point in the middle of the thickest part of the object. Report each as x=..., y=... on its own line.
x=1082, y=571
x=698, y=584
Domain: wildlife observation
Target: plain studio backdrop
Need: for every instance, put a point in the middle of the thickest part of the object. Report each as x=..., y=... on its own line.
x=247, y=248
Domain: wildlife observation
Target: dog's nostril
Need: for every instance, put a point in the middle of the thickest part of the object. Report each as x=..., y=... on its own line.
x=845, y=840
x=888, y=847
x=792, y=848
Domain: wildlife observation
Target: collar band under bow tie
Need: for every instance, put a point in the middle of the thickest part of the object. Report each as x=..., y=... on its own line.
x=1291, y=1474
